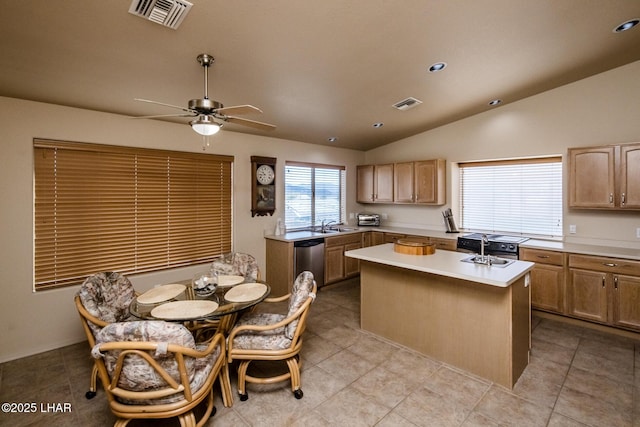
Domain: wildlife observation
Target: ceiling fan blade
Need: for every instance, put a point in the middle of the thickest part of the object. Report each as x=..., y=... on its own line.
x=239, y=109
x=165, y=115
x=250, y=123
x=166, y=105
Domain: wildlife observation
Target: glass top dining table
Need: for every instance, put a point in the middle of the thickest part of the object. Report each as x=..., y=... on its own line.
x=251, y=294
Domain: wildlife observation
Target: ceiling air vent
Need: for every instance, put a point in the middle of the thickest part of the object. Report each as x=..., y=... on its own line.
x=405, y=104
x=168, y=13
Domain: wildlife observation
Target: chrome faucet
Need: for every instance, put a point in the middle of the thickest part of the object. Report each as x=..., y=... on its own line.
x=484, y=241
x=323, y=227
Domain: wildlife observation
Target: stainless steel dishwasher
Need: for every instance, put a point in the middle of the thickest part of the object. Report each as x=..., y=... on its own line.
x=309, y=256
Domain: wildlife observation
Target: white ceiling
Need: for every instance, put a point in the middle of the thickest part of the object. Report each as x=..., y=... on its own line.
x=316, y=68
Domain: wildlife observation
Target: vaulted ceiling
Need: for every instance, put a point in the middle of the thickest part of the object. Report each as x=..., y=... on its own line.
x=317, y=69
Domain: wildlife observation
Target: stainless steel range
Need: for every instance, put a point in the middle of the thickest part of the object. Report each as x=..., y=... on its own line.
x=495, y=244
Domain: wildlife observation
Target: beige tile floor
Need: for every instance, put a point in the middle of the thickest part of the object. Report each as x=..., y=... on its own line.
x=577, y=377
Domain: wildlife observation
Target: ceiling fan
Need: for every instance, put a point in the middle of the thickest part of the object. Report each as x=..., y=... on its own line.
x=207, y=111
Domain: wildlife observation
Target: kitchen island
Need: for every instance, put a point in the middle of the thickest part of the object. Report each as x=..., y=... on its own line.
x=475, y=317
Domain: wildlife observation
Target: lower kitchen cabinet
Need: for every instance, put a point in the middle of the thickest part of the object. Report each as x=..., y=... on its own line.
x=280, y=266
x=337, y=267
x=605, y=290
x=547, y=279
x=626, y=301
x=588, y=295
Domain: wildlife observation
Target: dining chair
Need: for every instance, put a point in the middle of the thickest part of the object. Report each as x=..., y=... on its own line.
x=103, y=298
x=261, y=336
x=237, y=263
x=154, y=369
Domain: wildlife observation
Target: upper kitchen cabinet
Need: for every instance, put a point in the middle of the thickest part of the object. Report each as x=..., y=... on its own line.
x=375, y=183
x=420, y=182
x=605, y=177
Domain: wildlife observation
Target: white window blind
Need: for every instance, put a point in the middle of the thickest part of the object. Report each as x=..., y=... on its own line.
x=313, y=193
x=521, y=196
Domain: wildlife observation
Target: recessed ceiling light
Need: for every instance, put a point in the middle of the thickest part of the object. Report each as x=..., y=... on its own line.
x=438, y=66
x=378, y=125
x=626, y=25
x=495, y=102
x=332, y=139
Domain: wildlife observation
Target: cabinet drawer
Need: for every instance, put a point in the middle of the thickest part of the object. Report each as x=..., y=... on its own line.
x=343, y=240
x=605, y=264
x=542, y=256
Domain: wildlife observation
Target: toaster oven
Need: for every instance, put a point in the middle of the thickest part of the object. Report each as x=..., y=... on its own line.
x=365, y=219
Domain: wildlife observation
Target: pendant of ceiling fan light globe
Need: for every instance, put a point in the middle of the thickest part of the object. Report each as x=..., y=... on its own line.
x=205, y=125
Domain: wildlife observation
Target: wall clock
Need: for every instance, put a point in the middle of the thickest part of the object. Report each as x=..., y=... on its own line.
x=263, y=185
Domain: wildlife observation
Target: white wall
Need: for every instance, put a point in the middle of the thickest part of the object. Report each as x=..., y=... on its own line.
x=34, y=322
x=603, y=109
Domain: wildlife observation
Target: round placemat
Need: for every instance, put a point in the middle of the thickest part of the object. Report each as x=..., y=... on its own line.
x=189, y=309
x=161, y=293
x=245, y=292
x=229, y=280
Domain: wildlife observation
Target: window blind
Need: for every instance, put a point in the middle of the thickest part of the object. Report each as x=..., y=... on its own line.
x=313, y=193
x=522, y=196
x=107, y=208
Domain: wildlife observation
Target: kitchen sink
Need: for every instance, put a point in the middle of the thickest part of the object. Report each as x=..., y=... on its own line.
x=488, y=260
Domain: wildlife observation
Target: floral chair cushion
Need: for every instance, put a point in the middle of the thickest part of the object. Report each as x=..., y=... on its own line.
x=261, y=340
x=302, y=287
x=137, y=374
x=107, y=296
x=237, y=263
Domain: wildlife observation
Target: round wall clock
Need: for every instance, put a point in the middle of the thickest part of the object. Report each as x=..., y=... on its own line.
x=265, y=174
x=263, y=185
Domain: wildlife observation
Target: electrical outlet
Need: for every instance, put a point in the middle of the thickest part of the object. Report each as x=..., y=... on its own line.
x=572, y=229
x=638, y=233
x=384, y=216
x=352, y=215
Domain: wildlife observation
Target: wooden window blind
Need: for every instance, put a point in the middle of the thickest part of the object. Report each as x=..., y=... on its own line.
x=131, y=210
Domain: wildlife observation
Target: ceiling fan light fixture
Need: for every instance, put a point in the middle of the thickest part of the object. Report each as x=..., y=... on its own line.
x=205, y=125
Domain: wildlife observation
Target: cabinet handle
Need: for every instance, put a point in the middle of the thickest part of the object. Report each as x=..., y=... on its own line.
x=609, y=264
x=610, y=197
x=624, y=199
x=603, y=281
x=615, y=282
x=543, y=256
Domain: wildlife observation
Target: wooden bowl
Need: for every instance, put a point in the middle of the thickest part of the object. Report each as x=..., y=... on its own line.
x=414, y=246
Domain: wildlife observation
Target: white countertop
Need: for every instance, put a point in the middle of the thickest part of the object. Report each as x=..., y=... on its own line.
x=583, y=249
x=444, y=263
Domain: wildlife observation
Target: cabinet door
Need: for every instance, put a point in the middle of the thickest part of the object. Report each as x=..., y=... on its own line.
x=547, y=288
x=333, y=264
x=377, y=238
x=630, y=176
x=429, y=182
x=626, y=301
x=364, y=178
x=592, y=177
x=403, y=181
x=393, y=237
x=383, y=183
x=351, y=265
x=588, y=295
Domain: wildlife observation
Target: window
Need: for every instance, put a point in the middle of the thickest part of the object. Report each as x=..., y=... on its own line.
x=520, y=196
x=105, y=208
x=312, y=194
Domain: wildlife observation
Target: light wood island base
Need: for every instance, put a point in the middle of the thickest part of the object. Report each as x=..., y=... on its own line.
x=482, y=329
